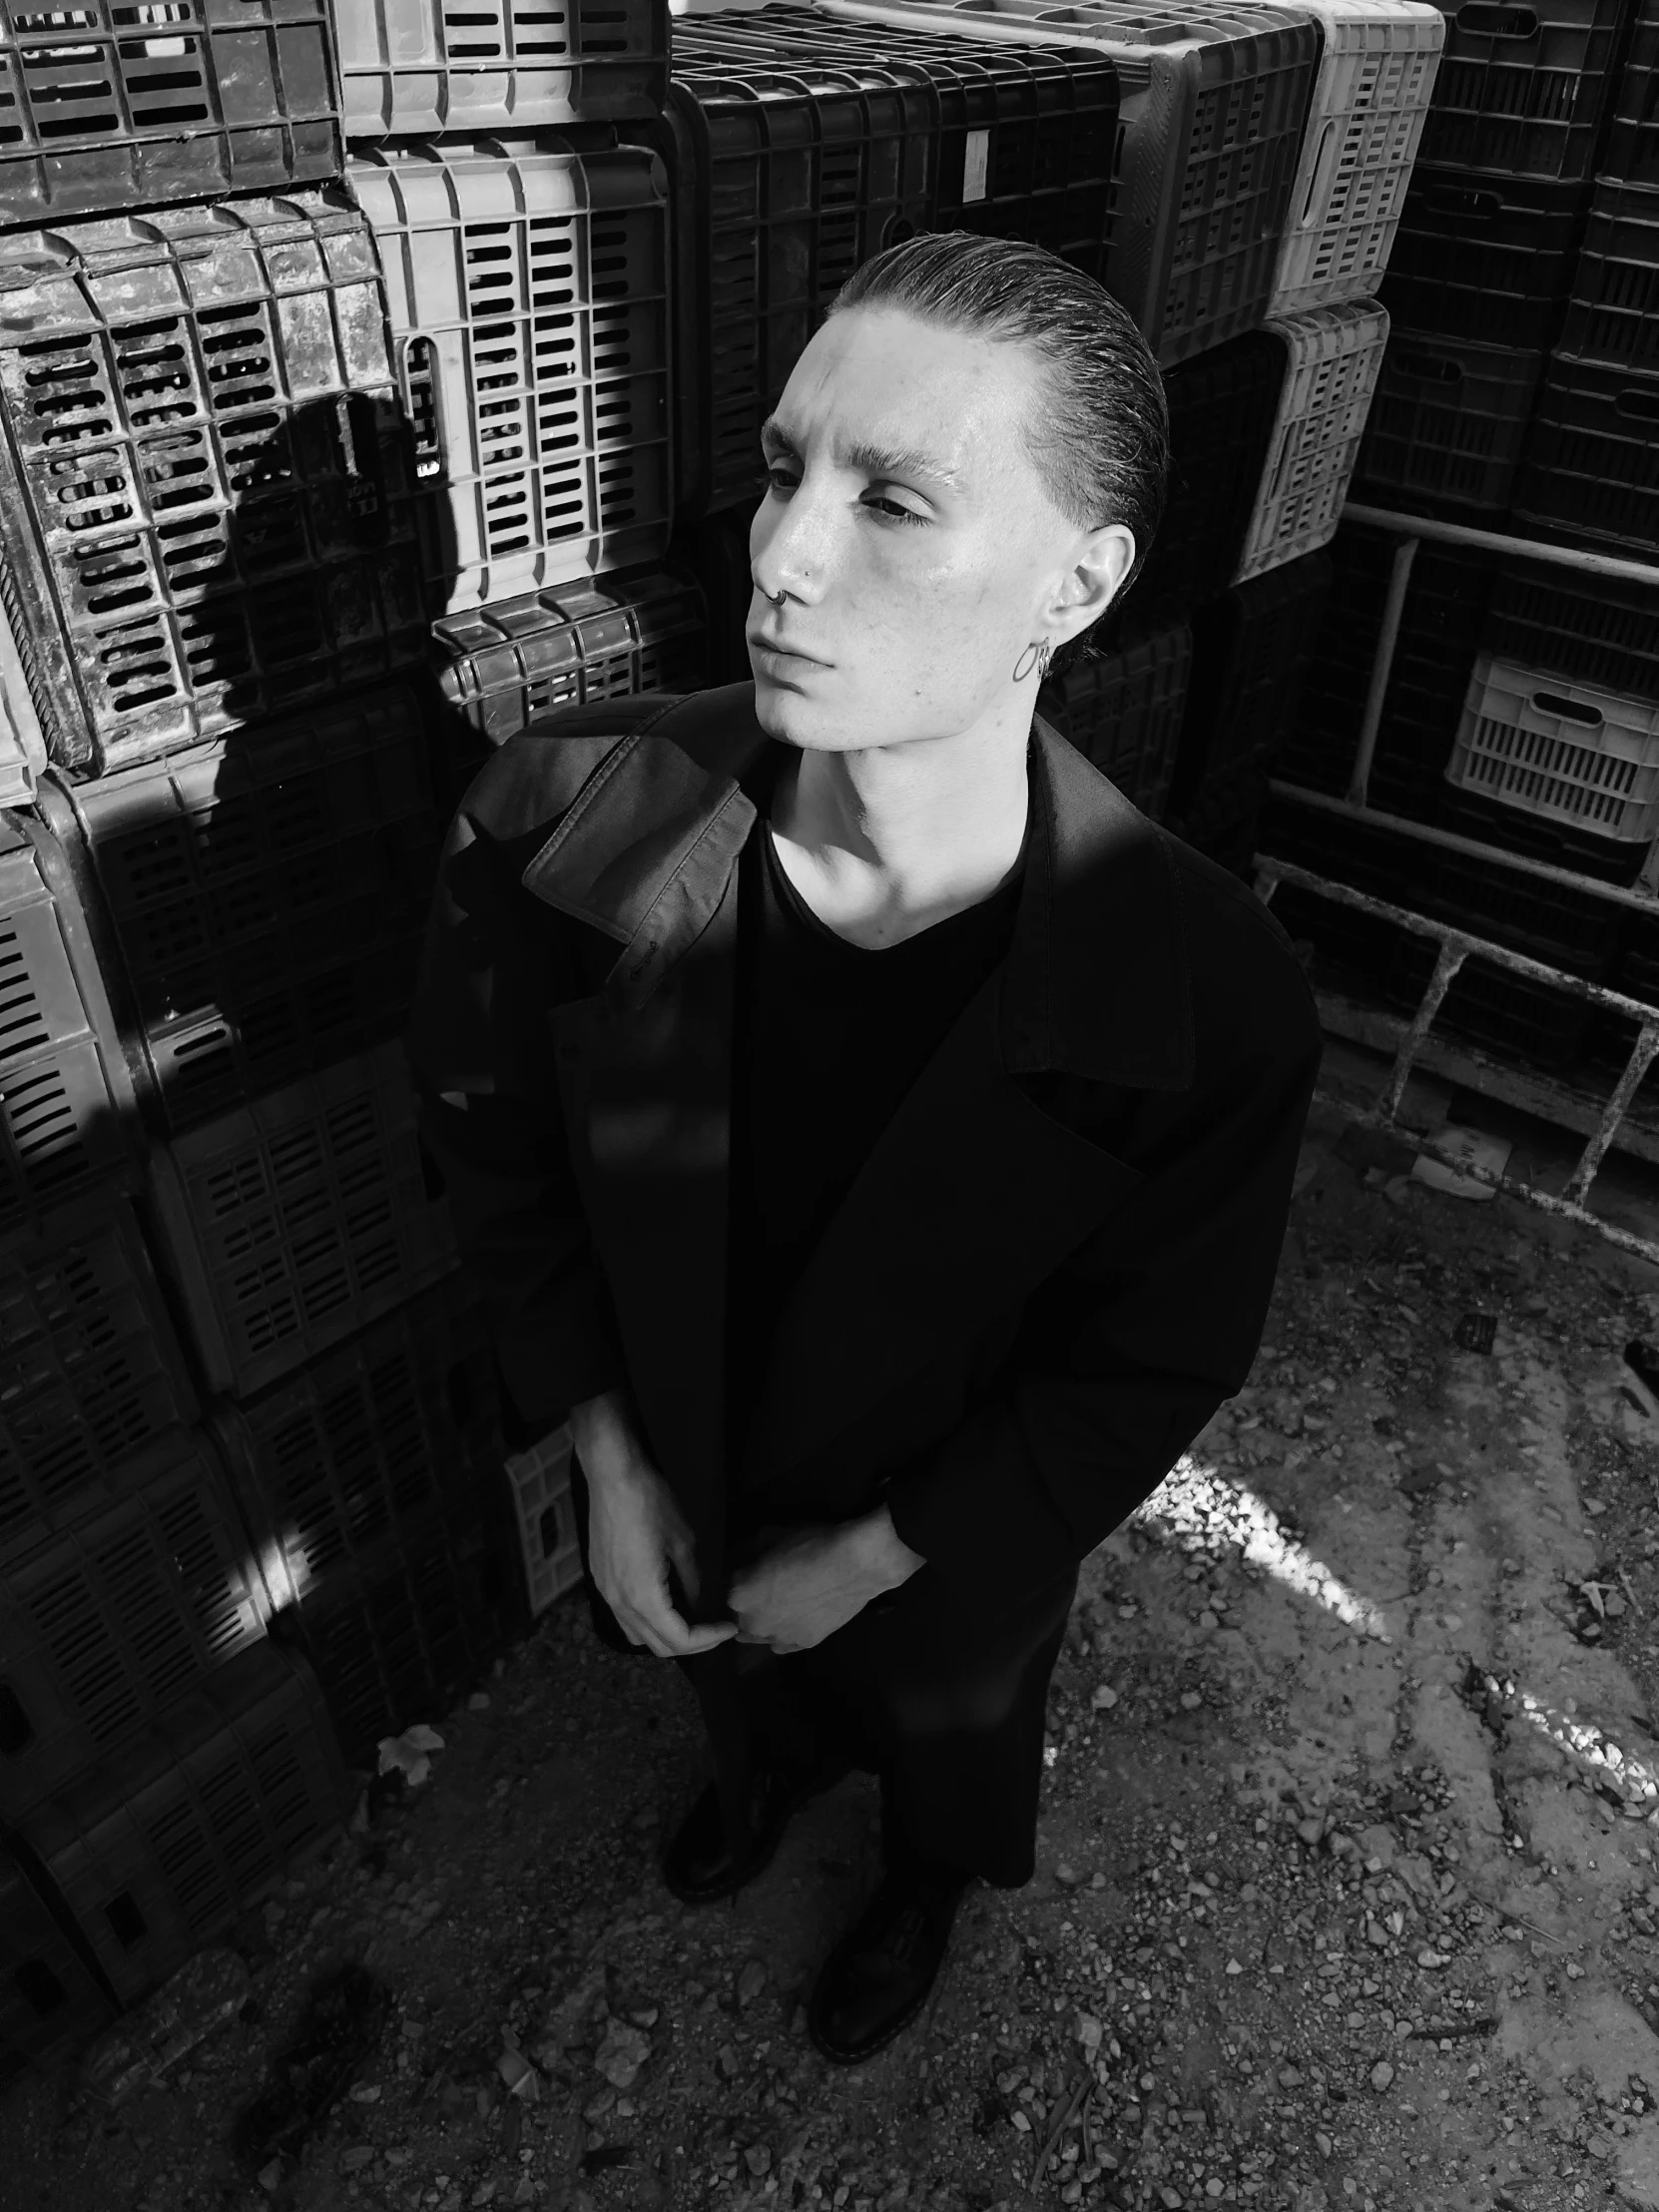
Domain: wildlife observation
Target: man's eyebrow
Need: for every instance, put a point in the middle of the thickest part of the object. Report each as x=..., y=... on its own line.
x=879, y=461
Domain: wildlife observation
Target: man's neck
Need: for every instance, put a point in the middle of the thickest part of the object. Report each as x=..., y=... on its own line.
x=884, y=844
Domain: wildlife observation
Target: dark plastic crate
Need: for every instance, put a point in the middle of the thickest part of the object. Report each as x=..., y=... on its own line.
x=1632, y=151
x=417, y=67
x=1213, y=101
x=1250, y=654
x=66, y=1109
x=192, y=1824
x=120, y=1617
x=1515, y=1017
x=1521, y=89
x=1449, y=424
x=1600, y=629
x=367, y=1439
x=1592, y=462
x=527, y=289
x=91, y=1374
x=1613, y=317
x=1027, y=136
x=785, y=181
x=390, y=1639
x=1122, y=709
x=1439, y=635
x=208, y=508
x=50, y=2000
x=1221, y=409
x=606, y=639
x=1488, y=259
x=108, y=108
x=1224, y=819
x=714, y=549
x=268, y=902
x=294, y=1221
x=1570, y=929
x=1346, y=951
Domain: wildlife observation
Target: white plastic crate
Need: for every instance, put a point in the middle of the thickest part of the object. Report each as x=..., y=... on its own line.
x=527, y=288
x=1569, y=751
x=1336, y=358
x=1371, y=98
x=540, y=1480
x=22, y=746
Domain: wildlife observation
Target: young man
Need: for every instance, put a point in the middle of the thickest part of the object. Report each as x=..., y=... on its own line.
x=869, y=1130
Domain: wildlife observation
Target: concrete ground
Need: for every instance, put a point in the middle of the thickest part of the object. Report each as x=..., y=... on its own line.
x=1347, y=1889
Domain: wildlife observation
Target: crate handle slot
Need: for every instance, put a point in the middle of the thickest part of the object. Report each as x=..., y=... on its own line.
x=1317, y=178
x=417, y=374
x=1431, y=368
x=1485, y=19
x=1478, y=207
x=1638, y=406
x=1567, y=710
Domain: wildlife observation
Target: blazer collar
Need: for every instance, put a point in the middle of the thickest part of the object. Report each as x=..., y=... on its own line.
x=1097, y=979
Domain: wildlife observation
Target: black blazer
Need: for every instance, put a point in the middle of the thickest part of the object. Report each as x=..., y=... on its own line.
x=1056, y=1262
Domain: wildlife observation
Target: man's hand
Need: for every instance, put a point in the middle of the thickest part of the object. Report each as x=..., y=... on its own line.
x=814, y=1581
x=635, y=1531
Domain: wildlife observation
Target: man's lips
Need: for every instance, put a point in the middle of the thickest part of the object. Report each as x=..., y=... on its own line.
x=776, y=646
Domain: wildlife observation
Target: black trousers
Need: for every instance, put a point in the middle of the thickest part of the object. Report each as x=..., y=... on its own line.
x=947, y=1710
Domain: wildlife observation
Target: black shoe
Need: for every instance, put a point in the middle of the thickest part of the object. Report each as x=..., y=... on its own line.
x=699, y=1867
x=877, y=1978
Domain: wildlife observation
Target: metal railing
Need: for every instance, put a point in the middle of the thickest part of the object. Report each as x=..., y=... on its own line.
x=1458, y=945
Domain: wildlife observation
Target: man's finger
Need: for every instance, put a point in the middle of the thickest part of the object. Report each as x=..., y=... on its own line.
x=673, y=1638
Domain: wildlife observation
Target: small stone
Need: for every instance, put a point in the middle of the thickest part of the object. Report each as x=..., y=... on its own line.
x=1067, y=1875
x=270, y=2176
x=1233, y=1967
x=1207, y=1619
x=1105, y=1696
x=356, y=2157
x=752, y=1980
x=758, y=2158
x=1290, y=2077
x=520, y=2076
x=1428, y=1957
x=1022, y=2122
x=365, y=2092
x=622, y=2053
x=1382, y=2074
x=1310, y=1831
x=1190, y=1703
x=1322, y=2144
x=478, y=1702
x=1171, y=2198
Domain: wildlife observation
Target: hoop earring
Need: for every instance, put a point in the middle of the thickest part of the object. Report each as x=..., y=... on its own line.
x=1036, y=656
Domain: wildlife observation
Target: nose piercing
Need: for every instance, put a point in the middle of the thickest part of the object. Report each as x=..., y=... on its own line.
x=778, y=601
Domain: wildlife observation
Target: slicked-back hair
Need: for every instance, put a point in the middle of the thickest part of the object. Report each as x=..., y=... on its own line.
x=1098, y=427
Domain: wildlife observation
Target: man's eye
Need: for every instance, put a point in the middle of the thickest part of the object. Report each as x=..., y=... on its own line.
x=780, y=476
x=891, y=508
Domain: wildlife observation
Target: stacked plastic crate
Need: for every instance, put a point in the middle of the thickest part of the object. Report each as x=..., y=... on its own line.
x=198, y=541
x=1521, y=393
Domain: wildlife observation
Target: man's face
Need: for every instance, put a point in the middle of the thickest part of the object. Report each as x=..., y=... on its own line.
x=916, y=541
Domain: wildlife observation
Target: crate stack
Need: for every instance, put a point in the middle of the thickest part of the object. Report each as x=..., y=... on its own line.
x=1520, y=395
x=253, y=1506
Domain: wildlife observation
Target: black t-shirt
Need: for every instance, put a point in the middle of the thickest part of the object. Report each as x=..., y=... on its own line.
x=828, y=1038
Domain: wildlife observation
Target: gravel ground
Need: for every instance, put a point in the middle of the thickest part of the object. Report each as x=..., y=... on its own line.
x=1347, y=1889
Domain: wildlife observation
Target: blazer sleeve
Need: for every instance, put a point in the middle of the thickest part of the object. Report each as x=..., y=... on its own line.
x=494, y=963
x=1128, y=1350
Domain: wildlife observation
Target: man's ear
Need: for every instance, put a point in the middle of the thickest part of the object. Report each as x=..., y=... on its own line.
x=1094, y=580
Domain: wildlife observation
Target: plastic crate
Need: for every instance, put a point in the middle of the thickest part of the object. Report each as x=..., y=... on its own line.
x=1224, y=818
x=1346, y=949
x=390, y=1639
x=1334, y=358
x=1632, y=151
x=1027, y=136
x=1122, y=709
x=1213, y=101
x=1521, y=90
x=268, y=902
x=605, y=639
x=208, y=503
x=417, y=67
x=1601, y=630
x=1448, y=423
x=546, y=1514
x=1584, y=851
x=1251, y=649
x=168, y=1846
x=115, y=1619
x=1592, y=461
x=1483, y=258
x=1377, y=64
x=367, y=1440
x=1222, y=407
x=1439, y=635
x=21, y=742
x=50, y=2000
x=108, y=108
x=295, y=1222
x=714, y=549
x=1567, y=750
x=1613, y=316
x=1573, y=930
x=91, y=1375
x=66, y=1103
x=528, y=296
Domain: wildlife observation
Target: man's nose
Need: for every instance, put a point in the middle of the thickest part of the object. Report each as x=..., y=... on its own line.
x=793, y=547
